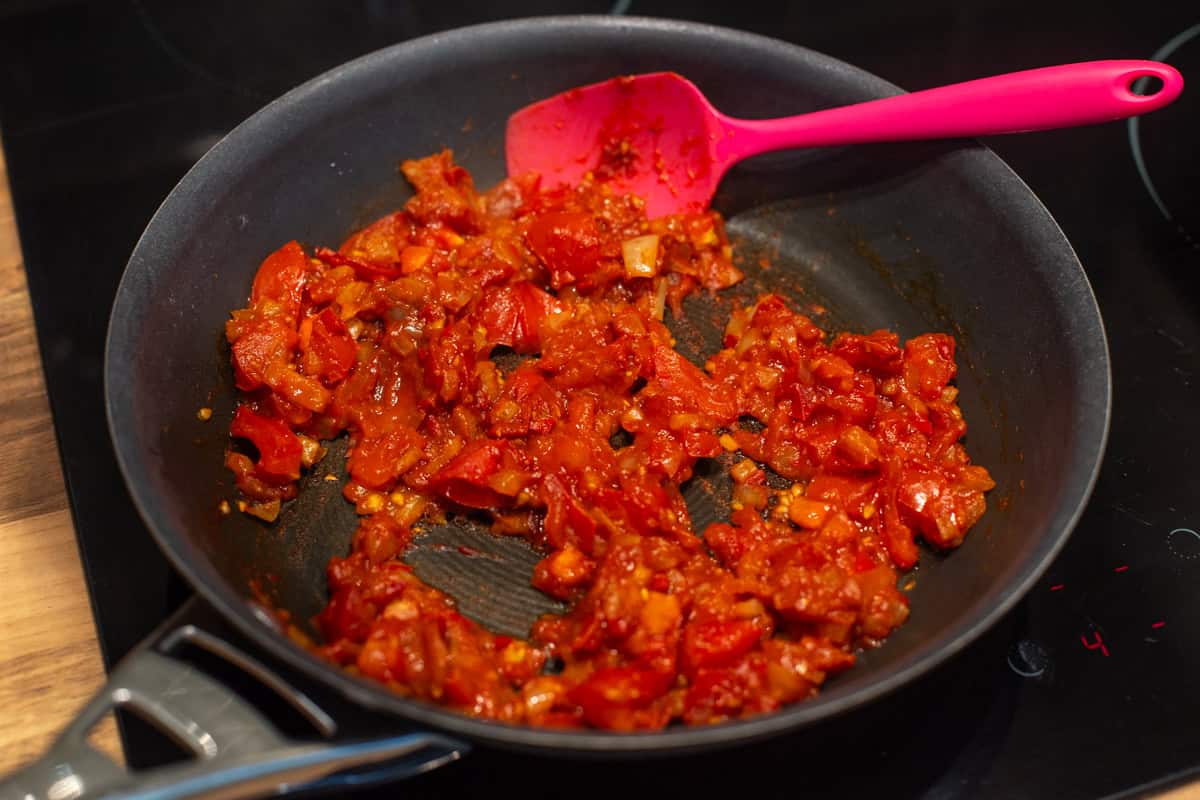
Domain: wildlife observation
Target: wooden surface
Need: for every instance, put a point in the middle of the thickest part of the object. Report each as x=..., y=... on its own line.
x=49, y=659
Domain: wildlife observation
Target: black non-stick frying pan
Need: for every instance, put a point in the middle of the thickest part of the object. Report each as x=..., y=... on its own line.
x=914, y=238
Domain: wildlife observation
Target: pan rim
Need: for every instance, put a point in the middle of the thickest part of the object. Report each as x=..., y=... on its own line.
x=1089, y=448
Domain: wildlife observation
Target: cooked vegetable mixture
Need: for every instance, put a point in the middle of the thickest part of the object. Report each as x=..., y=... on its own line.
x=391, y=340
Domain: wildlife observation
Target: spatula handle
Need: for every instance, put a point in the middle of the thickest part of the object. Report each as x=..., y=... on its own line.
x=1036, y=99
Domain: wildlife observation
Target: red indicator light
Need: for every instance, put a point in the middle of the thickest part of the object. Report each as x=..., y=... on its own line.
x=1096, y=645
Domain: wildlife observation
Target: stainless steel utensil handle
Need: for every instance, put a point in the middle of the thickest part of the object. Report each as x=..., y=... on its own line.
x=237, y=752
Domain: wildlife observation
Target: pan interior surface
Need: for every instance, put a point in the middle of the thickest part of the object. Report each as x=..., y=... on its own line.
x=914, y=238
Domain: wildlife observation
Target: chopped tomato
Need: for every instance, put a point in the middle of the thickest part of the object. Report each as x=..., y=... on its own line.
x=279, y=450
x=929, y=364
x=331, y=350
x=266, y=344
x=281, y=279
x=527, y=404
x=718, y=643
x=611, y=696
x=512, y=315
x=568, y=243
x=567, y=522
x=378, y=462
x=850, y=493
x=473, y=478
x=878, y=352
x=381, y=242
x=683, y=380
x=365, y=270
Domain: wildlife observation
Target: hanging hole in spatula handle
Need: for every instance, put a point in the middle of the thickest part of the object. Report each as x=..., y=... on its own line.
x=1041, y=99
x=1156, y=82
x=1146, y=85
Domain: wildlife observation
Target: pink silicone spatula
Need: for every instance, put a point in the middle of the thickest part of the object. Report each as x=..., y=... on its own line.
x=657, y=136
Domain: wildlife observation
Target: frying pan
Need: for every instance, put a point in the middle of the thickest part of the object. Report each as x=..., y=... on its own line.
x=913, y=237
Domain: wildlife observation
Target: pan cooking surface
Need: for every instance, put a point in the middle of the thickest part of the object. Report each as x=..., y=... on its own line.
x=930, y=237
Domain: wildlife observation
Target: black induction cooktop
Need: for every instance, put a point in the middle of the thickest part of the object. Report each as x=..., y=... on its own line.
x=1088, y=688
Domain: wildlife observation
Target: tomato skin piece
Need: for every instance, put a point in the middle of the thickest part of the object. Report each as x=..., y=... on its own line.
x=567, y=522
x=500, y=313
x=465, y=479
x=281, y=279
x=717, y=643
x=365, y=270
x=331, y=346
x=267, y=343
x=897, y=535
x=279, y=450
x=568, y=243
x=535, y=305
x=512, y=315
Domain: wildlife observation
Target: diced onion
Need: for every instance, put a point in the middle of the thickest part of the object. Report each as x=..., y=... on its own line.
x=660, y=299
x=267, y=511
x=641, y=256
x=311, y=450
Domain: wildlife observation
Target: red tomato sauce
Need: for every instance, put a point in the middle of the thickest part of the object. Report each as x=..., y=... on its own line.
x=390, y=339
